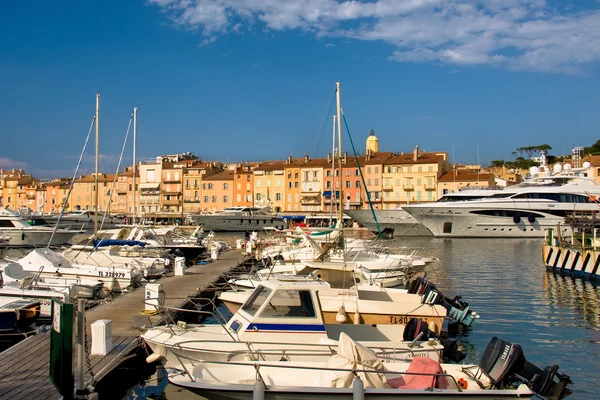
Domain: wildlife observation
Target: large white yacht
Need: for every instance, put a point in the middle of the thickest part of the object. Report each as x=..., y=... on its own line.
x=520, y=211
x=16, y=232
x=398, y=222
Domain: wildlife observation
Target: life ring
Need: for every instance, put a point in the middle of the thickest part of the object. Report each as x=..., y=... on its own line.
x=516, y=218
x=531, y=218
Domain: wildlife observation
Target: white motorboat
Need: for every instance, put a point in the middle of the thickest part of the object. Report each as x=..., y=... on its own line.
x=278, y=312
x=520, y=211
x=356, y=372
x=15, y=231
x=55, y=269
x=239, y=219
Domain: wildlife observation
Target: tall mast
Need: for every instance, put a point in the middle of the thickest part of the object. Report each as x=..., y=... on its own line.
x=97, y=157
x=339, y=129
x=134, y=161
x=332, y=173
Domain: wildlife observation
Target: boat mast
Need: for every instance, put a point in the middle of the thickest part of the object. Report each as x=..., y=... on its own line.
x=97, y=157
x=332, y=173
x=339, y=129
x=134, y=161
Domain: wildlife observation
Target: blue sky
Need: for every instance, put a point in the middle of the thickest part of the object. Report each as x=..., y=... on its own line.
x=234, y=80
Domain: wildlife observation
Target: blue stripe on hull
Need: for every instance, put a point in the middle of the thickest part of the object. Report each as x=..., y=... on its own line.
x=286, y=327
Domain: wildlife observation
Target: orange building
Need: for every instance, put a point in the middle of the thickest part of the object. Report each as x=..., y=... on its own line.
x=171, y=194
x=243, y=184
x=293, y=190
x=83, y=196
x=373, y=175
x=217, y=191
x=56, y=194
x=269, y=185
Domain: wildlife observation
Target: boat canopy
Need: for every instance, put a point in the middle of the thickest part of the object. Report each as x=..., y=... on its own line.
x=116, y=242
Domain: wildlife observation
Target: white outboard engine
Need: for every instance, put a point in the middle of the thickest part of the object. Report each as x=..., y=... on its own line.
x=504, y=364
x=417, y=329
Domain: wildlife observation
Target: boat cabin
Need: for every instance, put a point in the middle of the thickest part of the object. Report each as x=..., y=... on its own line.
x=283, y=307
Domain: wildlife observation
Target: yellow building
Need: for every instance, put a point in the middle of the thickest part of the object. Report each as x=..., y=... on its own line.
x=457, y=179
x=373, y=174
x=83, y=196
x=409, y=178
x=56, y=194
x=123, y=204
x=269, y=185
x=193, y=176
x=372, y=144
x=313, y=177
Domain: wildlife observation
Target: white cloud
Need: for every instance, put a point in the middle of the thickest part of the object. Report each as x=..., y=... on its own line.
x=515, y=34
x=7, y=163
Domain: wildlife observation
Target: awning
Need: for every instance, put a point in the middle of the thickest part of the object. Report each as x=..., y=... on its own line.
x=294, y=217
x=154, y=185
x=311, y=194
x=327, y=193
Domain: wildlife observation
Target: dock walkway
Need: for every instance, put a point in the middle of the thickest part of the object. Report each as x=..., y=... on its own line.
x=24, y=367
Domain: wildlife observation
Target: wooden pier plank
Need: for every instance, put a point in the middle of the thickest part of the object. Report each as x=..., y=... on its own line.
x=24, y=367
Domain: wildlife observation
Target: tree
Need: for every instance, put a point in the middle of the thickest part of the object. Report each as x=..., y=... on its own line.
x=497, y=163
x=593, y=149
x=531, y=150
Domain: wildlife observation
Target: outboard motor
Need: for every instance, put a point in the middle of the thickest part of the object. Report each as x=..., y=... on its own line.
x=457, y=309
x=504, y=364
x=452, y=348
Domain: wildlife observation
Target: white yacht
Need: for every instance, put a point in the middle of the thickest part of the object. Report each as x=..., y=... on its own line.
x=15, y=231
x=398, y=222
x=520, y=211
x=78, y=219
x=239, y=219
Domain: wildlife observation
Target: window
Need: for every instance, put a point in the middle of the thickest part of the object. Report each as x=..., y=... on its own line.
x=369, y=182
x=289, y=197
x=195, y=195
x=289, y=185
x=376, y=181
x=347, y=172
x=357, y=184
x=277, y=183
x=306, y=175
x=347, y=185
x=258, y=197
x=150, y=175
x=239, y=186
x=419, y=169
x=277, y=196
x=289, y=303
x=225, y=199
x=315, y=174
x=238, y=197
x=206, y=199
x=214, y=199
x=296, y=184
x=296, y=175
x=225, y=186
x=187, y=183
x=210, y=186
x=255, y=301
x=356, y=172
x=204, y=186
x=258, y=184
x=376, y=170
x=328, y=173
x=368, y=170
x=389, y=170
x=328, y=185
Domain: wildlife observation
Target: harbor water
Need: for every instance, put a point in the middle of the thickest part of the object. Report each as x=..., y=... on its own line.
x=555, y=319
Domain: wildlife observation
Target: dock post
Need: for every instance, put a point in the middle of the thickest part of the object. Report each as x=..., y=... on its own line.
x=80, y=390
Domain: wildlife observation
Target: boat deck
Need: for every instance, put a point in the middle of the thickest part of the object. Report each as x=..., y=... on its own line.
x=24, y=367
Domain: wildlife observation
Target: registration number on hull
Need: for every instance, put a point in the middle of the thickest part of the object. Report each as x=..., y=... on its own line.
x=108, y=274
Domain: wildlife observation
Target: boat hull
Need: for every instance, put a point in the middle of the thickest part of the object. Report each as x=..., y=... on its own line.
x=237, y=223
x=35, y=238
x=572, y=261
x=398, y=221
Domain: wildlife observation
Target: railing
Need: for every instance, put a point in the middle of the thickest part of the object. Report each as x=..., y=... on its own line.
x=257, y=365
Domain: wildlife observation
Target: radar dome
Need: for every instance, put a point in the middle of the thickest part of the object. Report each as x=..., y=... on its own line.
x=557, y=168
x=534, y=170
x=587, y=165
x=567, y=167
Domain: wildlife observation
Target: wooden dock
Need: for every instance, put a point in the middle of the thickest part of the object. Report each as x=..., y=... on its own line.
x=24, y=367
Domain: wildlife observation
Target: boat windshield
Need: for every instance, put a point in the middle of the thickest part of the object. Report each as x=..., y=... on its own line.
x=257, y=299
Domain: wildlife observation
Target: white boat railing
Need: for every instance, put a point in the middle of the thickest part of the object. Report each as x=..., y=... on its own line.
x=167, y=313
x=181, y=355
